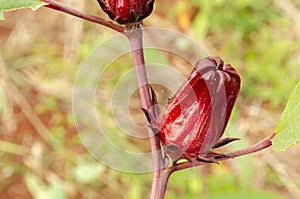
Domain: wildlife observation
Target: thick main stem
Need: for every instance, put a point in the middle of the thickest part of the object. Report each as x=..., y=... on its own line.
x=135, y=38
x=134, y=35
x=163, y=183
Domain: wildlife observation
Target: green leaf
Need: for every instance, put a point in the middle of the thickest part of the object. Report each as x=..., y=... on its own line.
x=7, y=5
x=288, y=128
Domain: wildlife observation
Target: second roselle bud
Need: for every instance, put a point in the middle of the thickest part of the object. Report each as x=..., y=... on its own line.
x=193, y=121
x=127, y=11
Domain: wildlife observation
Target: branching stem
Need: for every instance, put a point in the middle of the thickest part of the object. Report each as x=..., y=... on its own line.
x=166, y=173
x=251, y=149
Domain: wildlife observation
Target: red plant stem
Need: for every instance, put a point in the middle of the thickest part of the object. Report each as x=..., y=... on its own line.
x=135, y=37
x=252, y=149
x=166, y=173
x=62, y=8
x=163, y=182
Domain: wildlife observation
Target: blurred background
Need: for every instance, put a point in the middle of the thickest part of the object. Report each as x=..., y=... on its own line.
x=41, y=155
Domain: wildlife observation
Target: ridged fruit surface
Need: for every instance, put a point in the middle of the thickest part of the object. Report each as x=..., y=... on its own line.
x=194, y=120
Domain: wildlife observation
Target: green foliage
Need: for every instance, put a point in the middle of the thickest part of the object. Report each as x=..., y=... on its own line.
x=256, y=39
x=6, y=5
x=85, y=173
x=185, y=184
x=288, y=129
x=225, y=185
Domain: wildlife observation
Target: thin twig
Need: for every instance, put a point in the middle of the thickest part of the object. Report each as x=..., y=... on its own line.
x=252, y=149
x=62, y=8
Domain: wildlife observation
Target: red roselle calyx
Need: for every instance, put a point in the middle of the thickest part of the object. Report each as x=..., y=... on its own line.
x=127, y=11
x=193, y=121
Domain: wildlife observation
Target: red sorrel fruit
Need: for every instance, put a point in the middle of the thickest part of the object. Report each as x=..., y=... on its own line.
x=193, y=121
x=127, y=11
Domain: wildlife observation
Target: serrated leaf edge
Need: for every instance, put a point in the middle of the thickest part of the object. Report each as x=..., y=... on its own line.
x=283, y=113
